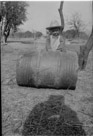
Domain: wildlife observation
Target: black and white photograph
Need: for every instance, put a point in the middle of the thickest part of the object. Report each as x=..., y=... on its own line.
x=46, y=68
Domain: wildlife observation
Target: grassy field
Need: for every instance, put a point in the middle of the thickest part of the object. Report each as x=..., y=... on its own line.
x=17, y=101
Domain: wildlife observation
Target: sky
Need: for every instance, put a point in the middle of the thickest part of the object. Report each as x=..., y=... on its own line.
x=41, y=13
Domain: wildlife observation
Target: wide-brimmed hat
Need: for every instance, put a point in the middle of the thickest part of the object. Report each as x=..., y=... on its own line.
x=54, y=26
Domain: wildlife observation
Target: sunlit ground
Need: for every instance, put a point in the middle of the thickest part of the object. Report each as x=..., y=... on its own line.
x=17, y=101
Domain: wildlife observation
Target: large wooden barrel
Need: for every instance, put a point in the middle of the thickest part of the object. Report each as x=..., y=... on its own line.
x=47, y=70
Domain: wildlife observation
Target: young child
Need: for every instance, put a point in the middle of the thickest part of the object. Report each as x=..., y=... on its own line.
x=55, y=40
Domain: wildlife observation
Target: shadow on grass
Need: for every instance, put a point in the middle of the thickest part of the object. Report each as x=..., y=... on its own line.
x=52, y=118
x=23, y=42
x=16, y=41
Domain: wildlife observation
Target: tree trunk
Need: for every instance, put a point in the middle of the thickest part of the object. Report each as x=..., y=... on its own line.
x=5, y=38
x=85, y=50
x=0, y=33
x=77, y=33
x=48, y=47
x=61, y=16
x=61, y=46
x=6, y=33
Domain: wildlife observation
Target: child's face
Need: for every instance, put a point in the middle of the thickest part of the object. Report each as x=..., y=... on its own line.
x=55, y=34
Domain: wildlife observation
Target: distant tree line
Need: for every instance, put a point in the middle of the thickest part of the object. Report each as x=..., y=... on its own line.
x=69, y=34
x=27, y=34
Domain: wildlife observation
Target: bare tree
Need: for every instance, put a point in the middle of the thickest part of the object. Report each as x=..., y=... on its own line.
x=85, y=50
x=76, y=23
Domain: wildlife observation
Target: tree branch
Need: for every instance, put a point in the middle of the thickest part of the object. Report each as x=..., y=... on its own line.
x=61, y=15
